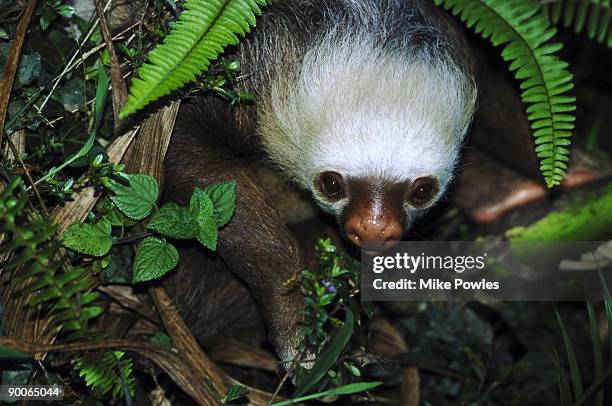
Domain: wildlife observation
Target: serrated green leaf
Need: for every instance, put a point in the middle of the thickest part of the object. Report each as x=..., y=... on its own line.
x=207, y=233
x=223, y=196
x=174, y=221
x=136, y=200
x=116, y=218
x=89, y=239
x=154, y=258
x=200, y=205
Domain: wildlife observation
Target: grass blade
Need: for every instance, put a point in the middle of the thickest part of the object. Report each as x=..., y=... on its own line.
x=571, y=359
x=341, y=390
x=331, y=354
x=597, y=352
x=595, y=387
x=101, y=93
x=565, y=391
x=608, y=306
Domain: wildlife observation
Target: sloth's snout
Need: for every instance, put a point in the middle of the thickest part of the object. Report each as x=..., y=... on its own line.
x=380, y=233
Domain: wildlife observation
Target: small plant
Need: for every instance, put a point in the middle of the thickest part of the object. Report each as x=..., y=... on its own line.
x=571, y=390
x=330, y=291
x=220, y=79
x=51, y=9
x=40, y=267
x=135, y=197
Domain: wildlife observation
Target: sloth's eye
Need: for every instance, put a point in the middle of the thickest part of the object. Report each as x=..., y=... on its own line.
x=423, y=190
x=331, y=184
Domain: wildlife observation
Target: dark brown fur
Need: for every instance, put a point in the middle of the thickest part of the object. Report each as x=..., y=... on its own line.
x=255, y=245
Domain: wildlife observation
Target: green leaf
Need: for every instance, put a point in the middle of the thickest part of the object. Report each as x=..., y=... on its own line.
x=9, y=353
x=592, y=16
x=207, y=234
x=595, y=387
x=65, y=10
x=200, y=205
x=101, y=93
x=80, y=154
x=524, y=31
x=223, y=196
x=598, y=361
x=571, y=358
x=47, y=16
x=339, y=391
x=235, y=392
x=136, y=200
x=116, y=218
x=352, y=369
x=608, y=306
x=162, y=339
x=106, y=372
x=174, y=221
x=201, y=33
x=154, y=258
x=328, y=357
x=89, y=239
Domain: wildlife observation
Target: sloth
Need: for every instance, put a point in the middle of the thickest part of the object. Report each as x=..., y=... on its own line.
x=361, y=104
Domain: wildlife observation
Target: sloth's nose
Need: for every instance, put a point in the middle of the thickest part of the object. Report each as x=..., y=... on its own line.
x=380, y=233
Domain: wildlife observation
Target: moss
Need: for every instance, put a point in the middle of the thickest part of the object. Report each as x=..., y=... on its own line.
x=588, y=218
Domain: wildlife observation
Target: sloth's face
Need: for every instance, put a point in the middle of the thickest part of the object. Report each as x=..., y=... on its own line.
x=368, y=209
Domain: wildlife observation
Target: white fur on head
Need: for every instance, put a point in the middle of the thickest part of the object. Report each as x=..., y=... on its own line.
x=364, y=110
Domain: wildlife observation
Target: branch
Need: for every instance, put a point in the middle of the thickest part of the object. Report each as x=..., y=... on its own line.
x=119, y=89
x=6, y=83
x=171, y=363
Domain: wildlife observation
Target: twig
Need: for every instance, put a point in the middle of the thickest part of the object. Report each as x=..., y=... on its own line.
x=133, y=237
x=27, y=174
x=6, y=83
x=169, y=362
x=68, y=67
x=188, y=348
x=119, y=90
x=296, y=361
x=98, y=47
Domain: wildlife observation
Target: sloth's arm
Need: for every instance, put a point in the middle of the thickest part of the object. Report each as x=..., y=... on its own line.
x=256, y=245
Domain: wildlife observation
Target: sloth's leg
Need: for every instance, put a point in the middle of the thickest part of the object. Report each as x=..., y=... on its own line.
x=256, y=244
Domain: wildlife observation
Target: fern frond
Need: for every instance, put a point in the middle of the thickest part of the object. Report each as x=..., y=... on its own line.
x=66, y=291
x=524, y=32
x=106, y=371
x=201, y=33
x=594, y=16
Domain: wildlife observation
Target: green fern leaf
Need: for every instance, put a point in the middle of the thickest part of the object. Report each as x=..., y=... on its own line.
x=106, y=371
x=524, y=32
x=201, y=33
x=594, y=16
x=64, y=288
